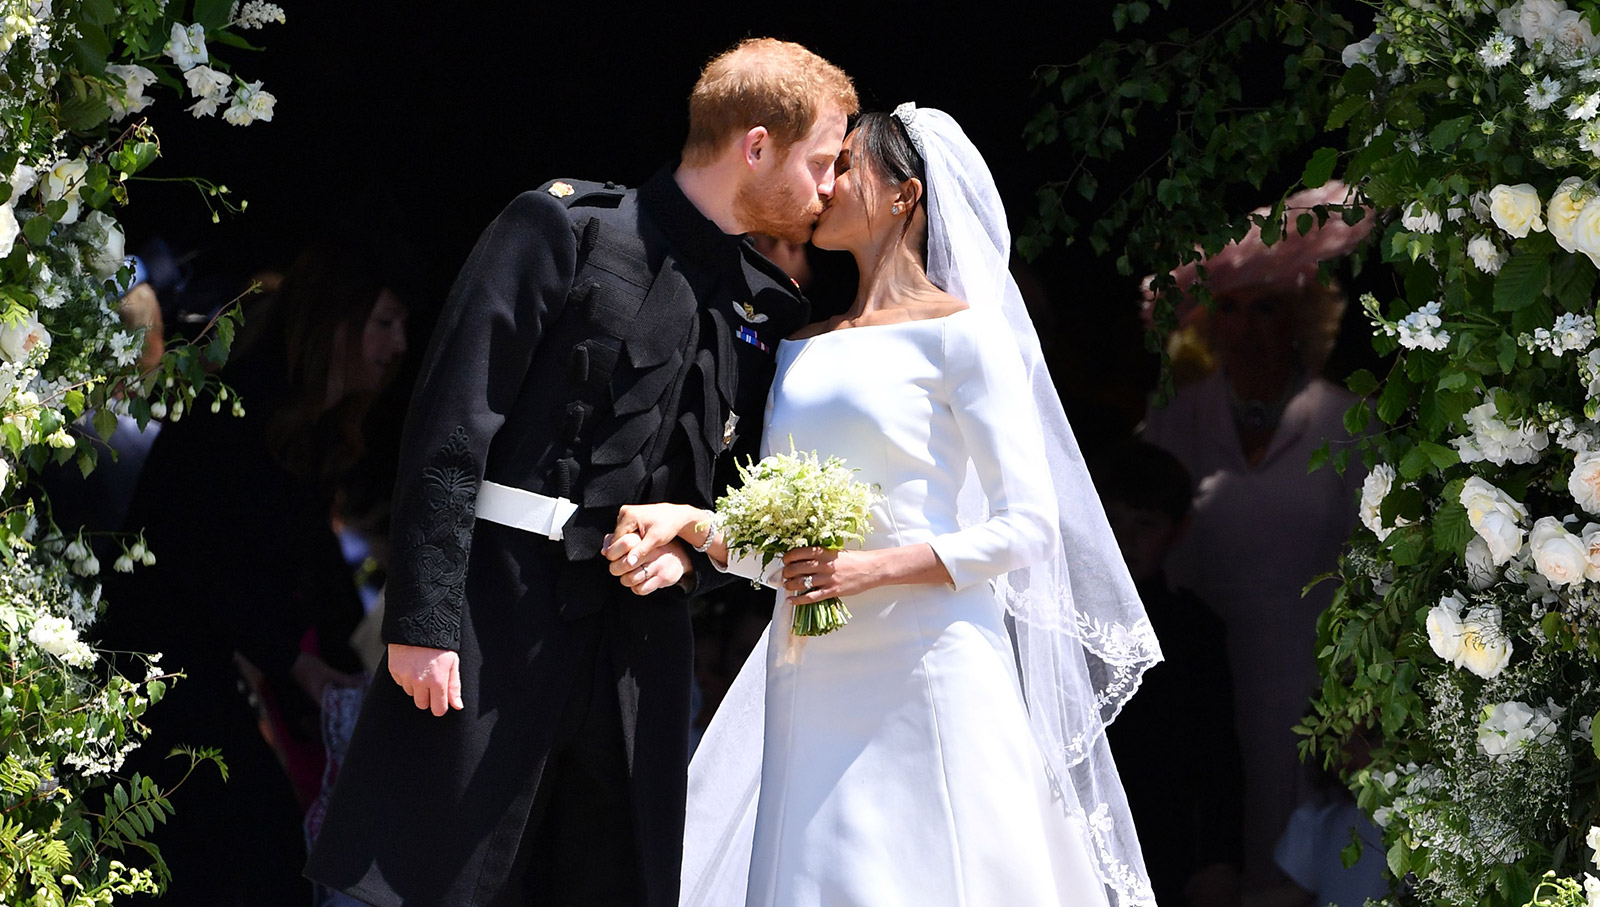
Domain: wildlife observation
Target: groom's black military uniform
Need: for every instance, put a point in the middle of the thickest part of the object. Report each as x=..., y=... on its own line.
x=607, y=347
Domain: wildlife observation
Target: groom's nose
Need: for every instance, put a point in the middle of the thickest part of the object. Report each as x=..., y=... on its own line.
x=825, y=187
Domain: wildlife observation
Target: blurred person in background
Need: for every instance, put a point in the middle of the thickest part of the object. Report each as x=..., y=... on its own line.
x=237, y=508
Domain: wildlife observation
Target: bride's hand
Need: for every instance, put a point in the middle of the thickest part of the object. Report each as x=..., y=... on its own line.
x=833, y=574
x=654, y=525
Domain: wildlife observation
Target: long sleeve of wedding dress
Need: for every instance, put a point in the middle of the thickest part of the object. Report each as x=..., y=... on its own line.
x=985, y=384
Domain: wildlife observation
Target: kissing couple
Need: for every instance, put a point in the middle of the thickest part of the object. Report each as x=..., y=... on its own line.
x=604, y=358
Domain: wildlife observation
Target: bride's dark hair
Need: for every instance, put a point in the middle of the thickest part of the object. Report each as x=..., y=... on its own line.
x=883, y=144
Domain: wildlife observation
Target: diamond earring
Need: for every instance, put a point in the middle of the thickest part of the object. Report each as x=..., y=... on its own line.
x=895, y=209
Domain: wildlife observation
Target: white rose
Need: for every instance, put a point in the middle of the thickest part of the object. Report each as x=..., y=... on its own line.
x=22, y=179
x=1536, y=19
x=1516, y=209
x=1444, y=628
x=1485, y=254
x=106, y=246
x=187, y=46
x=8, y=229
x=1591, y=547
x=1373, y=490
x=1481, y=571
x=1569, y=36
x=1593, y=838
x=1591, y=891
x=5, y=474
x=19, y=340
x=1559, y=556
x=1586, y=232
x=1584, y=480
x=1563, y=212
x=1485, y=649
x=64, y=181
x=1495, y=517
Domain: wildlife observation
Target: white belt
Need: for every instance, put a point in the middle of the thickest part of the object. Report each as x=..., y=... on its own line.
x=525, y=510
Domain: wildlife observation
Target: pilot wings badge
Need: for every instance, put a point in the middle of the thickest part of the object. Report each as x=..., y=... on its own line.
x=748, y=312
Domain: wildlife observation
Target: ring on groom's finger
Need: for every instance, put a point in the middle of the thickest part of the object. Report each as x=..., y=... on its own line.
x=807, y=582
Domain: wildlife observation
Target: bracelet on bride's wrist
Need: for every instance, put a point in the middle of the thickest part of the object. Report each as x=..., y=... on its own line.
x=713, y=526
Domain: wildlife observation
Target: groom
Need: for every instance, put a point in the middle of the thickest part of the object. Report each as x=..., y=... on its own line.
x=601, y=347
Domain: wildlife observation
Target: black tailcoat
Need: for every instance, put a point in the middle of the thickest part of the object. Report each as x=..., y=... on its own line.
x=594, y=347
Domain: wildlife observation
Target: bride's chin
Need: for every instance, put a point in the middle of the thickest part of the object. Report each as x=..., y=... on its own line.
x=823, y=238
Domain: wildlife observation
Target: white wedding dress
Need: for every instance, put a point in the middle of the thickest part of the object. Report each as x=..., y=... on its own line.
x=898, y=765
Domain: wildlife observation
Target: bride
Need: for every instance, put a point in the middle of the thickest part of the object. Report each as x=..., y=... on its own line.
x=947, y=745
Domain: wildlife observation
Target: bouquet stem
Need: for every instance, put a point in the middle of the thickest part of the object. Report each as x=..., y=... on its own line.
x=818, y=618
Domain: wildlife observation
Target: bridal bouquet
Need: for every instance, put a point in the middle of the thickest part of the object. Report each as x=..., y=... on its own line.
x=793, y=500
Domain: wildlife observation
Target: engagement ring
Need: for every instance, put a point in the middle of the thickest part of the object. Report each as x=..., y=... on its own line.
x=807, y=582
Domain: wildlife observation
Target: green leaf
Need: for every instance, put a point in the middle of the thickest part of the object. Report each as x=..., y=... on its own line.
x=1394, y=400
x=1452, y=530
x=85, y=114
x=1345, y=109
x=37, y=229
x=1319, y=458
x=1361, y=382
x=1356, y=417
x=1521, y=281
x=1320, y=168
x=1441, y=456
x=1413, y=464
x=213, y=14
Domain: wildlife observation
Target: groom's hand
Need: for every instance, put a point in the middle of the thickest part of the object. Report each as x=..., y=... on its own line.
x=431, y=677
x=658, y=568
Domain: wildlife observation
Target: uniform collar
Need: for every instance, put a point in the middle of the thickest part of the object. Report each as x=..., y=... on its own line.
x=693, y=235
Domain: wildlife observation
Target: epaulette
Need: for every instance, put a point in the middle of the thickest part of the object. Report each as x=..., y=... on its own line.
x=583, y=193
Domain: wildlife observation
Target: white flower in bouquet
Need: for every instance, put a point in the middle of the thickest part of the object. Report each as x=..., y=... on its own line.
x=1363, y=52
x=1593, y=840
x=23, y=339
x=9, y=228
x=1481, y=570
x=57, y=636
x=1419, y=219
x=250, y=104
x=1540, y=95
x=1531, y=20
x=1444, y=629
x=1374, y=488
x=1584, y=481
x=1560, y=556
x=1497, y=441
x=1584, y=106
x=1485, y=648
x=1565, y=203
x=1505, y=730
x=63, y=181
x=1485, y=254
x=187, y=46
x=1591, y=891
x=1586, y=232
x=205, y=82
x=1495, y=517
x=1591, y=547
x=256, y=14
x=103, y=245
x=1516, y=209
x=23, y=178
x=793, y=500
x=1423, y=329
x=1497, y=51
x=132, y=99
x=1569, y=37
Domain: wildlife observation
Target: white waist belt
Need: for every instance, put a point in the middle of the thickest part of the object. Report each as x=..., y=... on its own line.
x=525, y=510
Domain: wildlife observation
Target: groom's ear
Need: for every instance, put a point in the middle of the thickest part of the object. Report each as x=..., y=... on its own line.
x=756, y=145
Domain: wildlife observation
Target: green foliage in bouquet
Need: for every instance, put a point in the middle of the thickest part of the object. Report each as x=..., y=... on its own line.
x=1461, y=654
x=795, y=500
x=73, y=77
